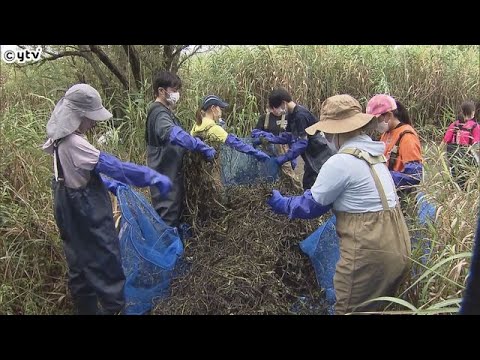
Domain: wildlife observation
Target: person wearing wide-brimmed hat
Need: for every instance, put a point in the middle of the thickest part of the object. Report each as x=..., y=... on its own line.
x=82, y=206
x=207, y=128
x=356, y=183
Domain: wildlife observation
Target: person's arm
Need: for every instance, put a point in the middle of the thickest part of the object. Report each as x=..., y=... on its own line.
x=448, y=138
x=86, y=157
x=296, y=149
x=297, y=207
x=180, y=137
x=410, y=175
x=476, y=134
x=283, y=138
x=330, y=183
x=131, y=174
x=301, y=122
x=476, y=143
x=237, y=144
x=331, y=180
x=167, y=131
x=110, y=184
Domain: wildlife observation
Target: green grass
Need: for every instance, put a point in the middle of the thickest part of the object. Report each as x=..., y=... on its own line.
x=431, y=81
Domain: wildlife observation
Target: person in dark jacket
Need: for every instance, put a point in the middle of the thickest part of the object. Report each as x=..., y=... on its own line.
x=167, y=144
x=313, y=149
x=272, y=127
x=82, y=206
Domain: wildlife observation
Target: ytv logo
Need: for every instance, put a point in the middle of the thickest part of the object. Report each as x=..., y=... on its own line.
x=21, y=55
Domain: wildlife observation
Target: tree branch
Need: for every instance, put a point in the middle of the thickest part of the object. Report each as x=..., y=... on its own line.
x=186, y=57
x=110, y=65
x=179, y=49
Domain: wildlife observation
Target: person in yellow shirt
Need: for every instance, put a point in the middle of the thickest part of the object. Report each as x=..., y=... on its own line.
x=208, y=129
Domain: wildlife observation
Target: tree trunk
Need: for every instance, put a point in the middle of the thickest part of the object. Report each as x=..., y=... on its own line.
x=134, y=61
x=107, y=89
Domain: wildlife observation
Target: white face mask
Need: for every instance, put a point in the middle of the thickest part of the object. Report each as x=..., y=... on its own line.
x=173, y=97
x=382, y=127
x=281, y=110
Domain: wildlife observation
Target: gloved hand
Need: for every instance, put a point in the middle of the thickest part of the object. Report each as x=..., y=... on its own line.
x=411, y=174
x=297, y=207
x=261, y=141
x=287, y=137
x=256, y=133
x=209, y=153
x=237, y=144
x=297, y=148
x=111, y=185
x=270, y=138
x=180, y=137
x=278, y=203
x=130, y=173
x=163, y=183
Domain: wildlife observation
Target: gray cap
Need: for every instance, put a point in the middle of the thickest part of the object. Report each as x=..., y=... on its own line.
x=80, y=101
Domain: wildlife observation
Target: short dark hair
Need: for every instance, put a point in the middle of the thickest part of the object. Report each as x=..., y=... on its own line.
x=468, y=107
x=166, y=79
x=401, y=113
x=278, y=96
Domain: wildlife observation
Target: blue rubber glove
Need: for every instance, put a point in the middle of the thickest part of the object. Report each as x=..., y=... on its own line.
x=268, y=136
x=297, y=148
x=111, y=185
x=297, y=207
x=411, y=175
x=132, y=174
x=287, y=136
x=180, y=137
x=237, y=144
x=278, y=203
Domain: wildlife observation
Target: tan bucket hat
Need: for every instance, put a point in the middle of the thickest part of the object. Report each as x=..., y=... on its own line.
x=340, y=114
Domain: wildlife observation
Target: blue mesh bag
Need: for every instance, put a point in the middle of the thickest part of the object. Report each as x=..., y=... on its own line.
x=241, y=169
x=149, y=249
x=425, y=217
x=322, y=248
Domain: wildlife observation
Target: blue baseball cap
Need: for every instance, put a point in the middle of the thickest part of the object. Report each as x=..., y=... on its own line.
x=210, y=100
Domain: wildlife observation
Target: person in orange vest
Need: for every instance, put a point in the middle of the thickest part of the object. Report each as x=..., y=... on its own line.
x=402, y=143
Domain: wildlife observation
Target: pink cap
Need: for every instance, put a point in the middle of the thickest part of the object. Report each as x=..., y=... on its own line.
x=380, y=104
